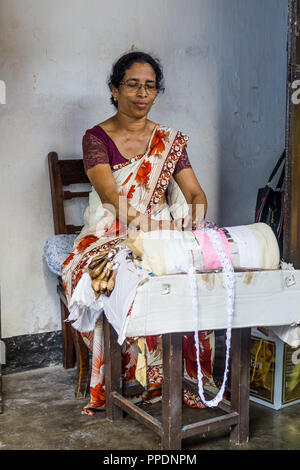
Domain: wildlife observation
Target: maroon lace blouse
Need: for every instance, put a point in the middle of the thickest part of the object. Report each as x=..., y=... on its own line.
x=98, y=147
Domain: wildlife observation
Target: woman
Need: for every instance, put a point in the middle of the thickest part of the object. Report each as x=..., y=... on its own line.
x=141, y=170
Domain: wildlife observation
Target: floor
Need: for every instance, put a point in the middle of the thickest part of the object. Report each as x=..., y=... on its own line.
x=41, y=413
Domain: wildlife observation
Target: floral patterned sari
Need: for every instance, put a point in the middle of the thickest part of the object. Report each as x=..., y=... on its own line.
x=146, y=182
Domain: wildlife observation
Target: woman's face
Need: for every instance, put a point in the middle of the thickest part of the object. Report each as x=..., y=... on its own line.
x=133, y=100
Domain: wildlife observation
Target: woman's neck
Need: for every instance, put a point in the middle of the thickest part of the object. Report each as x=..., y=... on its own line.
x=130, y=125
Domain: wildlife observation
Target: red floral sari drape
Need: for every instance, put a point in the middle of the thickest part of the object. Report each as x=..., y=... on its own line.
x=143, y=180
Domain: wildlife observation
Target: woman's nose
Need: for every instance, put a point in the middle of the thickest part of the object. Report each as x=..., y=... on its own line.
x=142, y=90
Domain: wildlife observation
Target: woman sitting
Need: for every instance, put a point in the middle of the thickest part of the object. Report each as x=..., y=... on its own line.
x=140, y=169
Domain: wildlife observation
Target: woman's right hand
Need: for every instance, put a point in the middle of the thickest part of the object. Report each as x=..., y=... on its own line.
x=147, y=224
x=165, y=225
x=150, y=225
x=177, y=224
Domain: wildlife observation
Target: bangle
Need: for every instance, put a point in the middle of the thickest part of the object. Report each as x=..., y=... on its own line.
x=204, y=225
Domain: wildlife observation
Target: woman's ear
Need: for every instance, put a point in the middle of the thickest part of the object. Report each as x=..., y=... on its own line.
x=114, y=92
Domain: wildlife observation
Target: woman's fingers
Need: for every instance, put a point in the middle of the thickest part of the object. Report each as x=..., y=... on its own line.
x=183, y=223
x=187, y=223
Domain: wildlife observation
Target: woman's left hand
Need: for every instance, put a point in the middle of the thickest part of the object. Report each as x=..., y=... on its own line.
x=184, y=224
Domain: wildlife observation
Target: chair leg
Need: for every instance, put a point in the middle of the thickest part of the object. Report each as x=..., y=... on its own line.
x=113, y=370
x=83, y=364
x=67, y=339
x=172, y=391
x=240, y=383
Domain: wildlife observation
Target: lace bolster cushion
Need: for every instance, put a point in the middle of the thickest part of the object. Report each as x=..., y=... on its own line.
x=95, y=151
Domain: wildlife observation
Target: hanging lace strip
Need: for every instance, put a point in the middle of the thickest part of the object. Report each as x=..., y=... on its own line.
x=229, y=281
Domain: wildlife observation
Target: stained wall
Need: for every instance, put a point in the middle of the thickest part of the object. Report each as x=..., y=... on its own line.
x=224, y=64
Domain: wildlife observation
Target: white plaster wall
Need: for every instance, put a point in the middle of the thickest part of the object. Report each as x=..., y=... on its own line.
x=251, y=102
x=224, y=63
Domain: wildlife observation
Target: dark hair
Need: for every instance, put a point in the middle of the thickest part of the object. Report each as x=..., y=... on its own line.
x=126, y=61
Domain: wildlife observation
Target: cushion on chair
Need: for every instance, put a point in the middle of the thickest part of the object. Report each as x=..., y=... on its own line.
x=56, y=251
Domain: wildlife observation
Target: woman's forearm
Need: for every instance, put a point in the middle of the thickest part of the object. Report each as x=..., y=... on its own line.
x=134, y=219
x=194, y=195
x=128, y=215
x=199, y=207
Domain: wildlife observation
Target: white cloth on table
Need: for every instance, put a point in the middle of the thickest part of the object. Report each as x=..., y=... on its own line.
x=85, y=309
x=288, y=334
x=117, y=305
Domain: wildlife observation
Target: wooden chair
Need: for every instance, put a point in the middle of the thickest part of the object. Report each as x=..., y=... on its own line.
x=63, y=173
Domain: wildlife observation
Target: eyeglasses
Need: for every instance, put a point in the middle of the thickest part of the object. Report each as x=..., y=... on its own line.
x=133, y=86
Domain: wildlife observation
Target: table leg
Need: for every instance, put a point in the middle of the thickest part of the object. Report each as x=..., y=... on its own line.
x=112, y=364
x=172, y=392
x=240, y=383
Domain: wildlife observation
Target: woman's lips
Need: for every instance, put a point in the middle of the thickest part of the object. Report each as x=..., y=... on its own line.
x=141, y=105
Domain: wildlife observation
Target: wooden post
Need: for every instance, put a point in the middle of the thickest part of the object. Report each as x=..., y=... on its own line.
x=172, y=391
x=113, y=371
x=240, y=383
x=68, y=349
x=291, y=241
x=83, y=364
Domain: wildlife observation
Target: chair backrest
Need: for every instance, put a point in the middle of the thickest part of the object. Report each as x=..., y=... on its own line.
x=63, y=173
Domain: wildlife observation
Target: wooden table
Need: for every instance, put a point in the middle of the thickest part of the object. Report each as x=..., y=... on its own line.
x=170, y=429
x=262, y=298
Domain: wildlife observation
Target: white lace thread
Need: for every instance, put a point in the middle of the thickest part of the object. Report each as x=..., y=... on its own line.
x=229, y=281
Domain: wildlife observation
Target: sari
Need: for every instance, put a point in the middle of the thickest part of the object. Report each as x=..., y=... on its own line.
x=147, y=184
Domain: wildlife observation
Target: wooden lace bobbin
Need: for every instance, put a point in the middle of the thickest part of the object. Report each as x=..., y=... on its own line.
x=112, y=280
x=96, y=283
x=105, y=276
x=98, y=259
x=95, y=273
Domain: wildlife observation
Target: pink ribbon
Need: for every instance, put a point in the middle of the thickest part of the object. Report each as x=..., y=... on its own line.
x=209, y=256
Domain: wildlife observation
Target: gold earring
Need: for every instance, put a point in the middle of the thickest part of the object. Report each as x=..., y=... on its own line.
x=115, y=98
